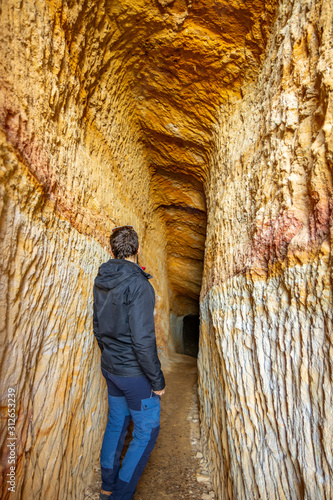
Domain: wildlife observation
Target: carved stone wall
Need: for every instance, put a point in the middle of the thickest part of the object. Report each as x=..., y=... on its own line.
x=265, y=359
x=72, y=167
x=171, y=116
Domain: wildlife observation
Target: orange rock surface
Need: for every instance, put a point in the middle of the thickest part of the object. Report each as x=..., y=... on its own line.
x=208, y=126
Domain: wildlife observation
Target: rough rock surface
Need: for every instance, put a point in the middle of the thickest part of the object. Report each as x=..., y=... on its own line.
x=177, y=117
x=265, y=362
x=72, y=167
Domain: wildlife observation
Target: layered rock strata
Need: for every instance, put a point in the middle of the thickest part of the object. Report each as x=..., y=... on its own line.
x=265, y=359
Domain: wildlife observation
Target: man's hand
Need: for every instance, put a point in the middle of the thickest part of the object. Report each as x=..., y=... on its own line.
x=160, y=393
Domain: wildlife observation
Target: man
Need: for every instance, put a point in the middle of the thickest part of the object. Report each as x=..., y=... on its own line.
x=123, y=322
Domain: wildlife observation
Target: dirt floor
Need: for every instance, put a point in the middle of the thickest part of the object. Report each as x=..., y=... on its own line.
x=176, y=468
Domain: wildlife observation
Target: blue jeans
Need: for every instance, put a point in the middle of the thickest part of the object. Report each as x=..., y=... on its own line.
x=129, y=397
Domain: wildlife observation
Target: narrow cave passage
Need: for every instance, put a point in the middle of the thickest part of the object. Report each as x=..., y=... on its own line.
x=191, y=335
x=179, y=200
x=185, y=231
x=185, y=333
x=177, y=468
x=165, y=115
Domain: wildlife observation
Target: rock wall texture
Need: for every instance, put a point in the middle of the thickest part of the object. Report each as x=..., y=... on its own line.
x=72, y=167
x=266, y=351
x=106, y=111
x=208, y=126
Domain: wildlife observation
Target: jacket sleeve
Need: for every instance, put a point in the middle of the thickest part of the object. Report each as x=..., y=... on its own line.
x=141, y=322
x=95, y=325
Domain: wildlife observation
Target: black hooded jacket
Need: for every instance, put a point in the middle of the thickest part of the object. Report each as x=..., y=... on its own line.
x=123, y=321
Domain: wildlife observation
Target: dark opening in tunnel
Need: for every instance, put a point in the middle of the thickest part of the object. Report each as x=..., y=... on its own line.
x=191, y=335
x=185, y=333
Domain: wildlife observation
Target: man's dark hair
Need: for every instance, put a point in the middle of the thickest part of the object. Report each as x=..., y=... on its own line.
x=124, y=242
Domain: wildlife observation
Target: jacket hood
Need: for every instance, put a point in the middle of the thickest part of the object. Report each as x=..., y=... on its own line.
x=114, y=271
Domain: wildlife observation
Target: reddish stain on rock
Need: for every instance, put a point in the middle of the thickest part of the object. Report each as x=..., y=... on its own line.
x=272, y=239
x=28, y=146
x=320, y=219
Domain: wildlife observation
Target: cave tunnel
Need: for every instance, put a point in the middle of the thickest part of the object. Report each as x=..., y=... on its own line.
x=190, y=335
x=207, y=125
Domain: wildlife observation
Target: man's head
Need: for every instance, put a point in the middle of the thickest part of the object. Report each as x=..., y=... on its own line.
x=124, y=242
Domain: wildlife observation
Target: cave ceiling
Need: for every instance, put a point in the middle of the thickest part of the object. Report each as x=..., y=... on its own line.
x=179, y=60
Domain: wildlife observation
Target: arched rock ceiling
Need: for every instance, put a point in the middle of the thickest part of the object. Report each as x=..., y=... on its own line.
x=178, y=62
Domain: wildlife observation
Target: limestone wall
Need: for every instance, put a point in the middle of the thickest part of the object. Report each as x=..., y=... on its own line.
x=265, y=359
x=72, y=167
